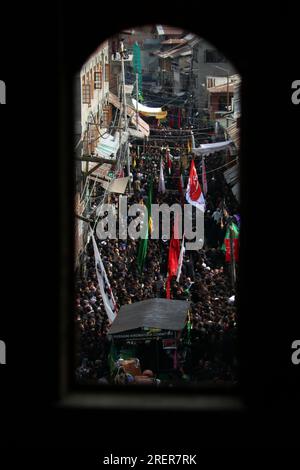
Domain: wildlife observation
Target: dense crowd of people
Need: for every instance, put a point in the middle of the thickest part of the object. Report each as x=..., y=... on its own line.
x=205, y=281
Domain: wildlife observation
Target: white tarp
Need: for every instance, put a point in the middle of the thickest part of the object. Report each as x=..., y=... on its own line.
x=104, y=285
x=145, y=109
x=207, y=149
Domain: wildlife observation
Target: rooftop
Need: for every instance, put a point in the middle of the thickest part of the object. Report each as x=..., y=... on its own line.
x=159, y=313
x=163, y=30
x=222, y=88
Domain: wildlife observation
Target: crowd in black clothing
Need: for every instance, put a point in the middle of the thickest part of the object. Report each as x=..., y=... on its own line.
x=204, y=281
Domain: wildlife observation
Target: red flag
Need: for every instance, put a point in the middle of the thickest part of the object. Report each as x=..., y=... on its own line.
x=194, y=194
x=174, y=252
x=235, y=250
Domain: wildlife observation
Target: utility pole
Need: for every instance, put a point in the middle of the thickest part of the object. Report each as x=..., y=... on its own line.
x=122, y=51
x=227, y=91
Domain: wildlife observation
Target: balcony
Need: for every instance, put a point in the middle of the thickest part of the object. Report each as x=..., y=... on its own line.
x=117, y=57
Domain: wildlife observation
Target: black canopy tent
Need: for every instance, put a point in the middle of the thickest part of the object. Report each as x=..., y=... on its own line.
x=149, y=324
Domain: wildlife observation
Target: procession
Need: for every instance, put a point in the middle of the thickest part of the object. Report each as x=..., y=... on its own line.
x=157, y=213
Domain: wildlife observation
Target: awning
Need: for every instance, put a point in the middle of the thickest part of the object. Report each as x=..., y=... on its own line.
x=158, y=313
x=143, y=127
x=108, y=146
x=116, y=186
x=102, y=170
x=158, y=113
x=207, y=149
x=114, y=100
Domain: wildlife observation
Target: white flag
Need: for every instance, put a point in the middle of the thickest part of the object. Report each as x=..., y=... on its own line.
x=180, y=260
x=104, y=285
x=161, y=184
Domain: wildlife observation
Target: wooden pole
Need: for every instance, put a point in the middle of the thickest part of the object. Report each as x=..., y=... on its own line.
x=232, y=260
x=137, y=99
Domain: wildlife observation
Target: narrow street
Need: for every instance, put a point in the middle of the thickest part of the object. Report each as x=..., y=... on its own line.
x=159, y=124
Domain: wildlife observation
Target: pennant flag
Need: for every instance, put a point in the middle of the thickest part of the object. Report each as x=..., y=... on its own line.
x=226, y=245
x=216, y=127
x=204, y=180
x=194, y=194
x=174, y=252
x=104, y=285
x=161, y=184
x=169, y=162
x=180, y=261
x=143, y=245
x=193, y=140
x=181, y=182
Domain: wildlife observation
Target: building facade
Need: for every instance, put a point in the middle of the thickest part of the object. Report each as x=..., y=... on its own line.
x=95, y=109
x=210, y=68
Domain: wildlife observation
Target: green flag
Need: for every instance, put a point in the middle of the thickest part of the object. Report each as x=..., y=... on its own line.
x=143, y=245
x=137, y=67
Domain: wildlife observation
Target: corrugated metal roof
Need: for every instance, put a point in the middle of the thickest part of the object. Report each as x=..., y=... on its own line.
x=232, y=177
x=175, y=52
x=168, y=30
x=234, y=133
x=164, y=314
x=174, y=41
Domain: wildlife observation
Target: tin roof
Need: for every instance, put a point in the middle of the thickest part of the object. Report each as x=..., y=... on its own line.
x=168, y=30
x=174, y=41
x=159, y=313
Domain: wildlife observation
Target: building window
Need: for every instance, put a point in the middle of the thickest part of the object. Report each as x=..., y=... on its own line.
x=107, y=72
x=213, y=56
x=222, y=103
x=86, y=93
x=106, y=116
x=97, y=80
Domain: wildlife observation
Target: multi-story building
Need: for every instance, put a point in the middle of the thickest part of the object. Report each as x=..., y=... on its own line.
x=92, y=115
x=210, y=68
x=95, y=109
